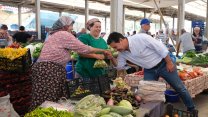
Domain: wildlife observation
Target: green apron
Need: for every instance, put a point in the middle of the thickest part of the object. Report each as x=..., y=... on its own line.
x=84, y=66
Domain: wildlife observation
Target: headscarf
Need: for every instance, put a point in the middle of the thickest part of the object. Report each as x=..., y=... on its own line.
x=91, y=21
x=61, y=22
x=196, y=28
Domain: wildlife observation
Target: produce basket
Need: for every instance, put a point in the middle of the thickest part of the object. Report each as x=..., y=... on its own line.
x=173, y=112
x=80, y=87
x=21, y=64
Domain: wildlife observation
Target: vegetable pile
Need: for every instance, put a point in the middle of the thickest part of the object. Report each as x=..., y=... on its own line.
x=11, y=53
x=95, y=106
x=191, y=74
x=37, y=50
x=194, y=59
x=48, y=112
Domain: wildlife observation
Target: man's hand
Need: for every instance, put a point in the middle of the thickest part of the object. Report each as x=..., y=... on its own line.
x=109, y=56
x=170, y=66
x=107, y=53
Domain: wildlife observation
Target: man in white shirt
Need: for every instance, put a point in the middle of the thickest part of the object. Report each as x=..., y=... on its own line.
x=161, y=36
x=187, y=42
x=149, y=53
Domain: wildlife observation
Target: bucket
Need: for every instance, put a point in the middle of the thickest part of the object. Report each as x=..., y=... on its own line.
x=69, y=71
x=171, y=96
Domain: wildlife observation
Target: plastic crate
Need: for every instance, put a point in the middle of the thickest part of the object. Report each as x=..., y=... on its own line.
x=111, y=72
x=92, y=85
x=171, y=112
x=21, y=64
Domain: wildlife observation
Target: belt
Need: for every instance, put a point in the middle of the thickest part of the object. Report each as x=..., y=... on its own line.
x=156, y=66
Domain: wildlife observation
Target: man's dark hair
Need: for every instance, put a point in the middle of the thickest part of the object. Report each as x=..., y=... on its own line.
x=21, y=28
x=4, y=27
x=114, y=37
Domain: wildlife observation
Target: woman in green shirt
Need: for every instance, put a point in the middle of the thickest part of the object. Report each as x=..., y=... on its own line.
x=85, y=62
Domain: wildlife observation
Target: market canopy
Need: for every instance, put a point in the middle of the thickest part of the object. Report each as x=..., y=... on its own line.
x=102, y=7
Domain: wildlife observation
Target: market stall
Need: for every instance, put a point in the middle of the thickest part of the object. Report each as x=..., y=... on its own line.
x=15, y=83
x=194, y=78
x=117, y=96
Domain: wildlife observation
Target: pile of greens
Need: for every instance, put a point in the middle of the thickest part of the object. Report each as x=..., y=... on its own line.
x=200, y=60
x=48, y=112
x=38, y=48
x=190, y=54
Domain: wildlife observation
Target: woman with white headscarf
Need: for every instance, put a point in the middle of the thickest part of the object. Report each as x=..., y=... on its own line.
x=198, y=39
x=48, y=74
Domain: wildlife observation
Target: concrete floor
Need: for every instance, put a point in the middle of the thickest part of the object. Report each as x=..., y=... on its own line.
x=201, y=102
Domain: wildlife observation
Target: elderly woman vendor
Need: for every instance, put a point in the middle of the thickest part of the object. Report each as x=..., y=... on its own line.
x=48, y=73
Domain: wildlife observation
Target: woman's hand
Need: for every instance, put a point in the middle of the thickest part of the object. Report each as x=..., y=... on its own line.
x=99, y=56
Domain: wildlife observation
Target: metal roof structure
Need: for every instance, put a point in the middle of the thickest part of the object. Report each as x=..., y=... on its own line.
x=134, y=8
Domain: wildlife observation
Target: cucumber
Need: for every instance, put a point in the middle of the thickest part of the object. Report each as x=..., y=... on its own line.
x=129, y=115
x=106, y=115
x=104, y=111
x=121, y=110
x=115, y=114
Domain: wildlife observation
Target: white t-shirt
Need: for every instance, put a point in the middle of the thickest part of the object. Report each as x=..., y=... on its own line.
x=186, y=42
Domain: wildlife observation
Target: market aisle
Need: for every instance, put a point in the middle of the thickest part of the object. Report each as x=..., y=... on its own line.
x=201, y=102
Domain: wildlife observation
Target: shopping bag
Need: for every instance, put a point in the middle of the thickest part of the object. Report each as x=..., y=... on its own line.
x=6, y=108
x=100, y=64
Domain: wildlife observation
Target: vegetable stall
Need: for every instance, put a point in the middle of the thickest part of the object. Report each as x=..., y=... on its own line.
x=106, y=96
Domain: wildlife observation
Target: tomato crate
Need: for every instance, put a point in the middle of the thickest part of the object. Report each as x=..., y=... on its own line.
x=21, y=64
x=81, y=87
x=173, y=112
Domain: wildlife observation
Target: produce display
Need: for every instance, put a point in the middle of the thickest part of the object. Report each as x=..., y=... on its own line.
x=95, y=106
x=48, y=112
x=37, y=50
x=194, y=59
x=100, y=64
x=11, y=53
x=120, y=83
x=190, y=54
x=89, y=106
x=15, y=45
x=190, y=74
x=200, y=60
x=118, y=94
x=79, y=91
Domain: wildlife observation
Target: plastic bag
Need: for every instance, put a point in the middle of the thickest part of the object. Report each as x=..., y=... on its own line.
x=6, y=108
x=151, y=90
x=100, y=64
x=62, y=105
